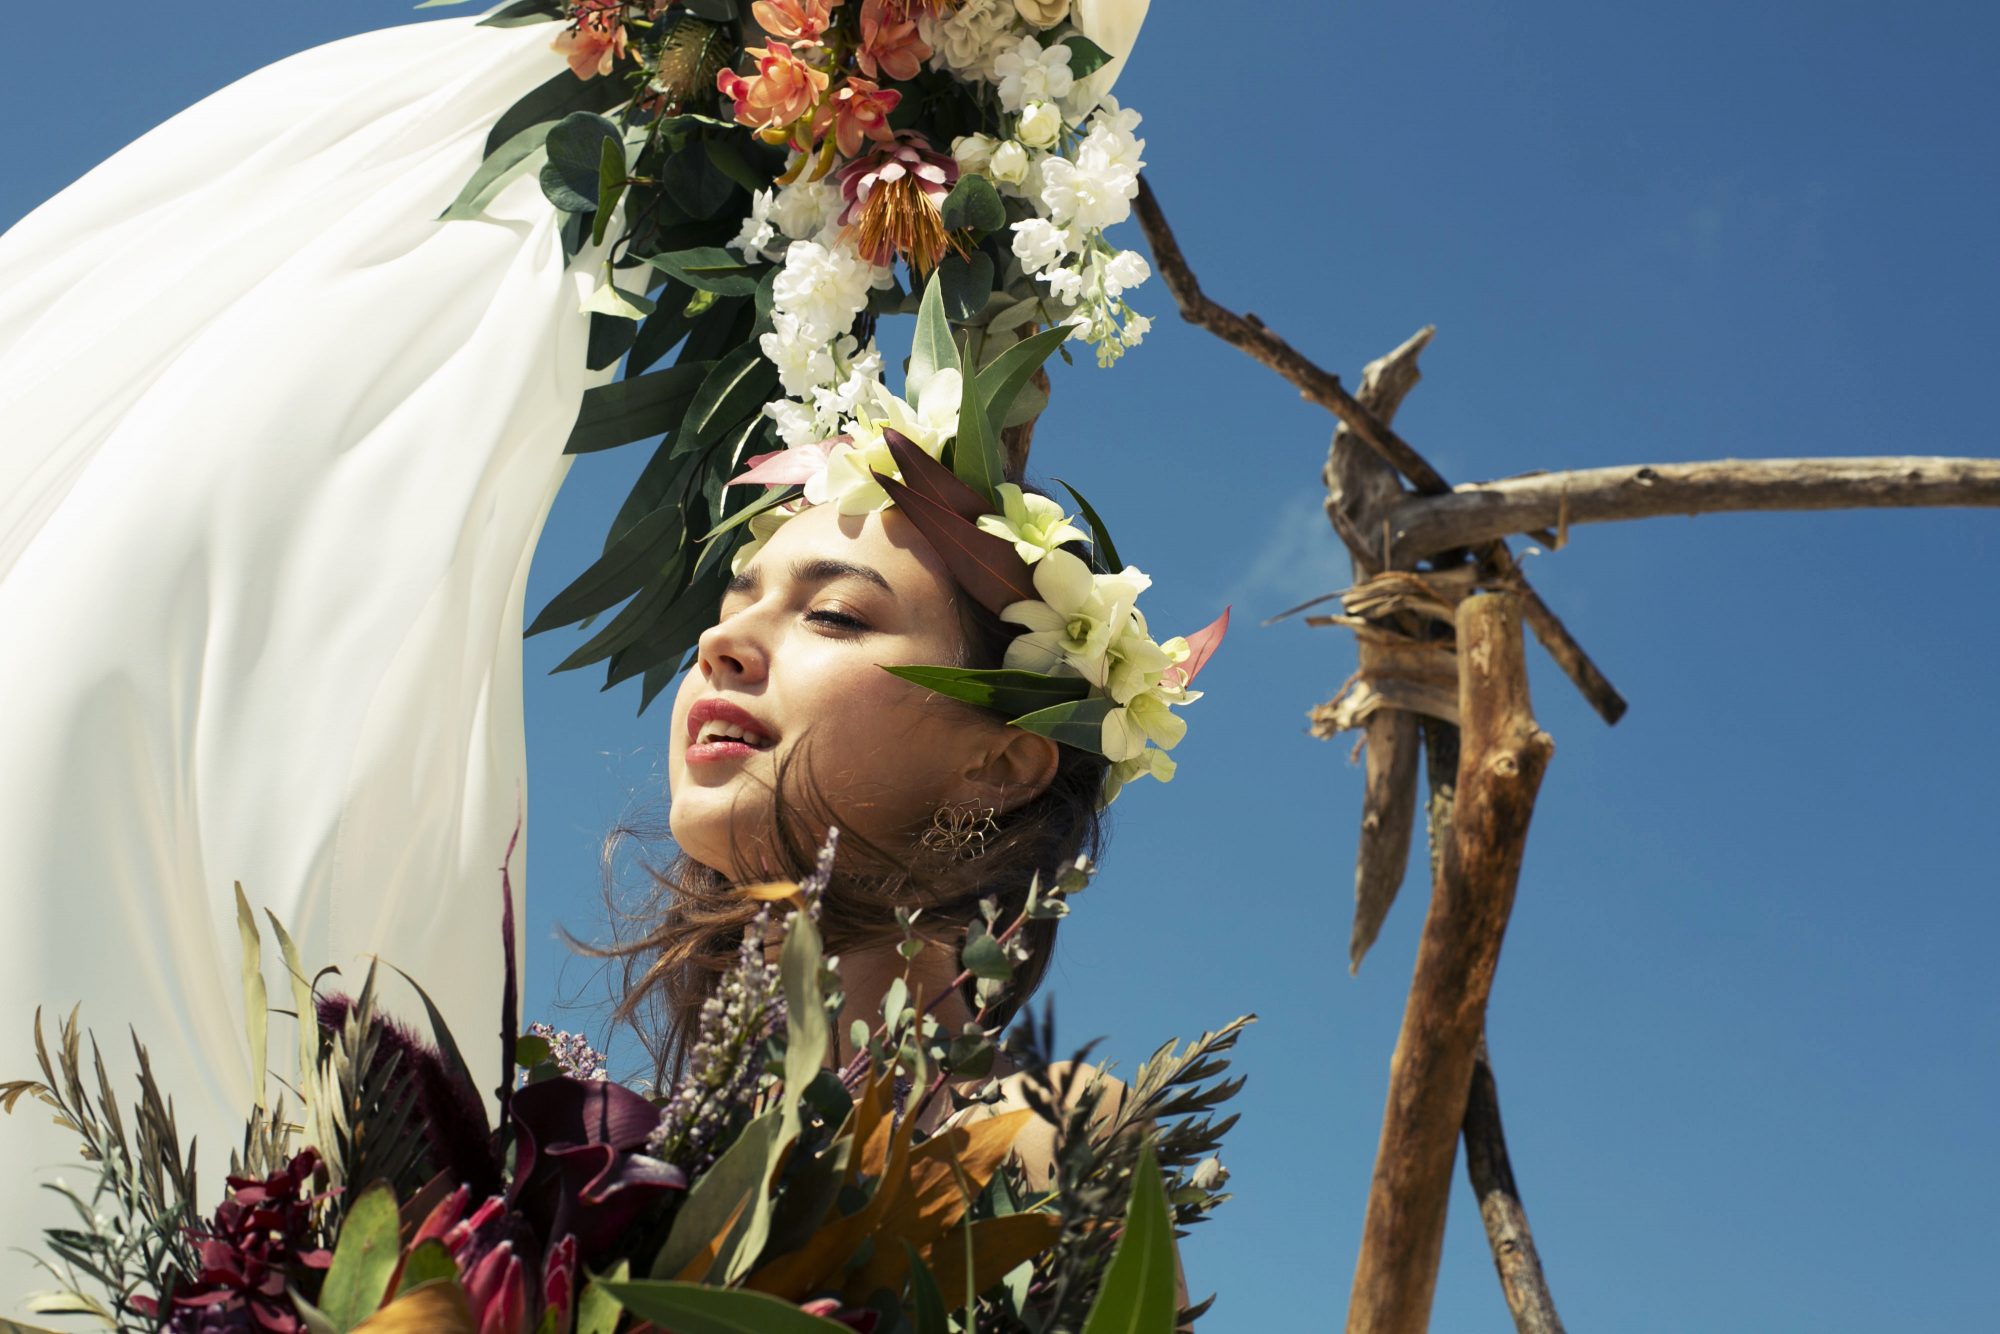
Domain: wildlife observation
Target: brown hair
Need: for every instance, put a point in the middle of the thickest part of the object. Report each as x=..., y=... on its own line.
x=691, y=923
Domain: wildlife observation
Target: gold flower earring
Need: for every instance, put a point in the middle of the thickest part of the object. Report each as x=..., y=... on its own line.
x=960, y=831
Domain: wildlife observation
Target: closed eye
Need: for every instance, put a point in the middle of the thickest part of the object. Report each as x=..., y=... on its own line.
x=838, y=619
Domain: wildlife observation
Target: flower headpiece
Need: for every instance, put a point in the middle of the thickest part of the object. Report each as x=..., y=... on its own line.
x=1085, y=671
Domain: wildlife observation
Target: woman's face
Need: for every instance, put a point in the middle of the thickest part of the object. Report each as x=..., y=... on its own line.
x=792, y=672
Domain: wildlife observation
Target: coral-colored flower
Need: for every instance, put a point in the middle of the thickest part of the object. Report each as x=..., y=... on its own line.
x=594, y=42
x=782, y=93
x=859, y=109
x=890, y=46
x=794, y=20
x=894, y=199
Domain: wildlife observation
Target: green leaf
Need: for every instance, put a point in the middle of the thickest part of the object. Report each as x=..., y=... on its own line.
x=619, y=572
x=363, y=1259
x=709, y=269
x=302, y=997
x=1080, y=724
x=1137, y=1296
x=770, y=500
x=551, y=101
x=611, y=174
x=975, y=453
x=931, y=348
x=1001, y=381
x=614, y=301
x=626, y=410
x=1085, y=56
x=929, y=1309
x=983, y=957
x=428, y=1263
x=526, y=151
x=256, y=1002
x=725, y=151
x=1100, y=536
x=973, y=205
x=690, y=1308
x=735, y=388
x=666, y=326
x=597, y=1310
x=717, y=1194
x=807, y=1037
x=635, y=622
x=447, y=1045
x=692, y=180
x=612, y=336
x=968, y=284
x=1009, y=692
x=572, y=177
x=531, y=1050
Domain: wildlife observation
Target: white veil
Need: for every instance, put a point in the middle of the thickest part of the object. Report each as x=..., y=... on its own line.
x=275, y=447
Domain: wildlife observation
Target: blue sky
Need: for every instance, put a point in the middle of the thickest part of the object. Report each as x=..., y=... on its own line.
x=1744, y=1023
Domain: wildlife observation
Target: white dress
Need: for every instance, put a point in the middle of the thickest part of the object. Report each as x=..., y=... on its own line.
x=275, y=447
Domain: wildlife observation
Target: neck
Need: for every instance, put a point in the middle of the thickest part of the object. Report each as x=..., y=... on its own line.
x=866, y=975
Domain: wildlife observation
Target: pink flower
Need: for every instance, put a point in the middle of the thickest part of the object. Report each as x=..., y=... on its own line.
x=890, y=46
x=894, y=201
x=594, y=42
x=783, y=92
x=794, y=20
x=858, y=110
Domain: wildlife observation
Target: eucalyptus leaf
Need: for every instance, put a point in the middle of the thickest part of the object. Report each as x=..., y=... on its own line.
x=983, y=957
x=1079, y=724
x=968, y=284
x=627, y=410
x=973, y=205
x=525, y=152
x=709, y=269
x=576, y=154
x=549, y=102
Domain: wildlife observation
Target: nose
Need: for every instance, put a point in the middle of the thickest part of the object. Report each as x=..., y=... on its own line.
x=732, y=652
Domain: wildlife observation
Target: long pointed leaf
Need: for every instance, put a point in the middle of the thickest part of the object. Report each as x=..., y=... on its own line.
x=626, y=410
x=926, y=476
x=1137, y=1296
x=737, y=386
x=975, y=454
x=718, y=1196
x=1009, y=692
x=1100, y=536
x=551, y=101
x=1080, y=724
x=256, y=1002
x=1203, y=643
x=302, y=999
x=985, y=566
x=691, y=1308
x=1002, y=380
x=618, y=573
x=931, y=349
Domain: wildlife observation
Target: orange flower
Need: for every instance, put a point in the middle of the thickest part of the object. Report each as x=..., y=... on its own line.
x=858, y=109
x=595, y=40
x=890, y=46
x=778, y=97
x=794, y=20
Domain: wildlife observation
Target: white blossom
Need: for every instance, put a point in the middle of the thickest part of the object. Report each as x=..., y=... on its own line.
x=1009, y=164
x=1125, y=269
x=826, y=286
x=974, y=153
x=801, y=356
x=806, y=208
x=968, y=41
x=1039, y=243
x=1029, y=72
x=1041, y=124
x=754, y=238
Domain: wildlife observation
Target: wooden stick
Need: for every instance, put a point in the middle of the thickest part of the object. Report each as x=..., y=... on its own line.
x=1492, y=1174
x=1479, y=513
x=1503, y=756
x=1554, y=636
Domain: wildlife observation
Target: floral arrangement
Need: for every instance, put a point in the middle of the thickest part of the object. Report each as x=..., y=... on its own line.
x=773, y=1187
x=764, y=182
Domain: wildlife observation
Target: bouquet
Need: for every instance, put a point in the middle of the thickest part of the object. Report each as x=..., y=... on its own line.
x=767, y=1189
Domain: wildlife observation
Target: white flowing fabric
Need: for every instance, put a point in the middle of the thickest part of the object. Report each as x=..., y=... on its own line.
x=275, y=447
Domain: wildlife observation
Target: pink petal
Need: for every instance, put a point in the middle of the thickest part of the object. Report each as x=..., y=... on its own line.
x=1203, y=643
x=786, y=467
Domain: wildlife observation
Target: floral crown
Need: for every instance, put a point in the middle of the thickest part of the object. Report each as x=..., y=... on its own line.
x=1085, y=670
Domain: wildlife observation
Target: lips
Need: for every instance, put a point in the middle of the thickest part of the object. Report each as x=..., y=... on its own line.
x=719, y=730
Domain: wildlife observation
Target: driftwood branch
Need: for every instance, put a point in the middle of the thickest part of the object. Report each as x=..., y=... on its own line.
x=1503, y=756
x=1359, y=485
x=1476, y=514
x=1492, y=1174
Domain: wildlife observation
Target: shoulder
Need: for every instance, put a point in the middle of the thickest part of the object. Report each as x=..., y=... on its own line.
x=1077, y=1082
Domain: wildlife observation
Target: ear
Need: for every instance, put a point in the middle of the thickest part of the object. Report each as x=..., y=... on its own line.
x=1012, y=769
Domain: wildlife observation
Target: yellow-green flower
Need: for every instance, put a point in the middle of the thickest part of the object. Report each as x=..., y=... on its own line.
x=1035, y=524
x=1148, y=763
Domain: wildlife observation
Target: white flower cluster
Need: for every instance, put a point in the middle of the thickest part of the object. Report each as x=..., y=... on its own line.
x=969, y=39
x=1089, y=625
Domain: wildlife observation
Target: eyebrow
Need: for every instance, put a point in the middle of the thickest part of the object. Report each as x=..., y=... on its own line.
x=814, y=570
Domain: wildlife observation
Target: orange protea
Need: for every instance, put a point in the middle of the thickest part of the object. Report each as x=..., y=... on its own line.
x=858, y=110
x=794, y=20
x=890, y=47
x=594, y=42
x=779, y=98
x=894, y=196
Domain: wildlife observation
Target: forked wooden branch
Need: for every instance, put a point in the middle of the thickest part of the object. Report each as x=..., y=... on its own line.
x=1321, y=386
x=1502, y=758
x=1476, y=514
x=1492, y=1174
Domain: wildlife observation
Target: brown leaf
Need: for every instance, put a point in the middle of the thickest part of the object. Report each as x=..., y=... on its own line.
x=984, y=566
x=945, y=1172
x=434, y=1308
x=998, y=1244
x=932, y=480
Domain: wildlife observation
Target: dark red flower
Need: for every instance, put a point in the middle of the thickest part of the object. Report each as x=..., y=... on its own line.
x=260, y=1241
